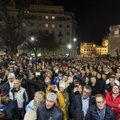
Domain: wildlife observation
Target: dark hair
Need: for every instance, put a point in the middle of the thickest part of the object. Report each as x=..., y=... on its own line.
x=88, y=87
x=99, y=95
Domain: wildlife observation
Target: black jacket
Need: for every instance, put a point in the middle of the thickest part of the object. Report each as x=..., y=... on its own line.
x=54, y=113
x=92, y=113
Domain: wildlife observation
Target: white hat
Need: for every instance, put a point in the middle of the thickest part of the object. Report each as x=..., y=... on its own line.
x=62, y=84
x=52, y=96
x=11, y=75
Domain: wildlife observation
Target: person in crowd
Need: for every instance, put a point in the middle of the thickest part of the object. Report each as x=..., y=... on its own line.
x=81, y=102
x=113, y=100
x=101, y=83
x=62, y=90
x=116, y=81
x=100, y=111
x=110, y=84
x=31, y=108
x=9, y=84
x=96, y=86
x=49, y=110
x=57, y=78
x=38, y=99
x=19, y=95
x=6, y=105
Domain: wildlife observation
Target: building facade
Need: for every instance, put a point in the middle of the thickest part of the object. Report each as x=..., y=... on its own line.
x=50, y=18
x=93, y=50
x=114, y=40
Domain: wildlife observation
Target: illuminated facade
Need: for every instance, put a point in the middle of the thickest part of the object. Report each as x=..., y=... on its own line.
x=114, y=40
x=93, y=50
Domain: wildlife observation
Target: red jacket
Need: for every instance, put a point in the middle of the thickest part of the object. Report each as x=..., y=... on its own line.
x=113, y=103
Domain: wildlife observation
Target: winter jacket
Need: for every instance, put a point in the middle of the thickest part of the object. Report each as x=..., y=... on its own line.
x=113, y=103
x=77, y=103
x=92, y=114
x=54, y=113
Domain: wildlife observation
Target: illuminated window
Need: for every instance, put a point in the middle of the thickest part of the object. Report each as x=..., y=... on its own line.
x=116, y=32
x=53, y=17
x=46, y=25
x=46, y=17
x=53, y=25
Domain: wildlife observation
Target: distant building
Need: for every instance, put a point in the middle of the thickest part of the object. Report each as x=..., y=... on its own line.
x=50, y=18
x=114, y=40
x=93, y=50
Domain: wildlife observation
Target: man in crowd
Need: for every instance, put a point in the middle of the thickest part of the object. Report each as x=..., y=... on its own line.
x=81, y=102
x=100, y=111
x=49, y=110
x=19, y=96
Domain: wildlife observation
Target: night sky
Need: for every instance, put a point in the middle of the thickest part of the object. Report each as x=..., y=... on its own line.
x=93, y=17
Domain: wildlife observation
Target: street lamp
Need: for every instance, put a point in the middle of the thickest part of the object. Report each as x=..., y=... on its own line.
x=74, y=39
x=32, y=39
x=69, y=46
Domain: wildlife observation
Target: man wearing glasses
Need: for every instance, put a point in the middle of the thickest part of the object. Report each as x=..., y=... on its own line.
x=81, y=103
x=100, y=111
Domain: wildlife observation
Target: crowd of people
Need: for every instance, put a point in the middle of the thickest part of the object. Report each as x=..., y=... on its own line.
x=59, y=88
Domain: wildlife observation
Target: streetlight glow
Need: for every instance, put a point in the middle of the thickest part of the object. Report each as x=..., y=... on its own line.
x=74, y=39
x=69, y=46
x=32, y=39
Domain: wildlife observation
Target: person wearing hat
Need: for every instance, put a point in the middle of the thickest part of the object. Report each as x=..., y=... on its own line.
x=113, y=100
x=49, y=110
x=64, y=93
x=9, y=84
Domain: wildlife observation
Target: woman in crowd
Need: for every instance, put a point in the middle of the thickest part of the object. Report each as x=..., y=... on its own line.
x=113, y=100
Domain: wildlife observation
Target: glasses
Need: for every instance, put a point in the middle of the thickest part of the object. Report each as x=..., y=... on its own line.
x=99, y=102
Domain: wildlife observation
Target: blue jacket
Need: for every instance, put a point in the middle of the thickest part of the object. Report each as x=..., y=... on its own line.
x=30, y=106
x=92, y=114
x=77, y=102
x=54, y=113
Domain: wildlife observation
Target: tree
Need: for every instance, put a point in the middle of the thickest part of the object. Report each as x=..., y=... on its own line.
x=11, y=30
x=42, y=40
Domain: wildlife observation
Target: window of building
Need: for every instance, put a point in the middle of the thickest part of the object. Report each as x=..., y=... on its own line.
x=46, y=17
x=68, y=33
x=53, y=25
x=60, y=34
x=68, y=18
x=46, y=25
x=53, y=17
x=60, y=25
x=68, y=26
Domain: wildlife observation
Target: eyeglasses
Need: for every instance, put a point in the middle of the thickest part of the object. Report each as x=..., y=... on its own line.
x=99, y=102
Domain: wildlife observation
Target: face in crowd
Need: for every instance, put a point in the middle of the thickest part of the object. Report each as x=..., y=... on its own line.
x=17, y=84
x=115, y=89
x=86, y=93
x=49, y=103
x=100, y=102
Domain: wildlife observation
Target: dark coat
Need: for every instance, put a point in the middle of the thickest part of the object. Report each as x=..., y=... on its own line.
x=92, y=113
x=77, y=103
x=5, y=87
x=54, y=113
